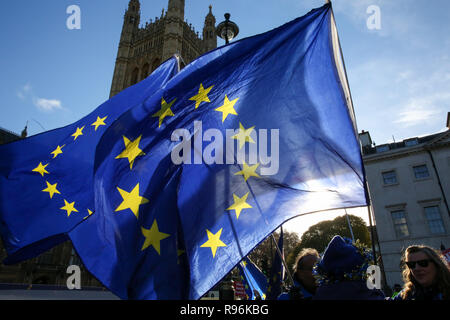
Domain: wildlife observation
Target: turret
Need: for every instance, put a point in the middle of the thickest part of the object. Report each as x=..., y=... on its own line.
x=173, y=34
x=130, y=27
x=209, y=31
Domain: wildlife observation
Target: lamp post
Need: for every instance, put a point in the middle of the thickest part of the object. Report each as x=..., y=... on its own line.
x=227, y=29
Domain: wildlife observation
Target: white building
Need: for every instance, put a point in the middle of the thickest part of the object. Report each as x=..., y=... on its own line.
x=409, y=184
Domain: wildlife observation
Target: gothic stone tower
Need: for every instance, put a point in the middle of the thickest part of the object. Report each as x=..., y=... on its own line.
x=143, y=49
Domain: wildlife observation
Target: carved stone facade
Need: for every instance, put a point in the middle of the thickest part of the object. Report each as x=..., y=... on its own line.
x=143, y=48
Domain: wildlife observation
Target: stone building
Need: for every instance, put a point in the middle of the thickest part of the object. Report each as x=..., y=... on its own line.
x=143, y=48
x=409, y=184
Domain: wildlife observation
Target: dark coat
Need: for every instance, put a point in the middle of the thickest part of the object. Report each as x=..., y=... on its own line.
x=348, y=290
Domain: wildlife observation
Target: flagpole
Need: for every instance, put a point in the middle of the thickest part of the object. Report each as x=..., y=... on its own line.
x=342, y=72
x=282, y=259
x=349, y=225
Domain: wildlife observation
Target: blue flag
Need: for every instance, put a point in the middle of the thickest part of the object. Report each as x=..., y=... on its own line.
x=46, y=181
x=276, y=272
x=241, y=140
x=255, y=282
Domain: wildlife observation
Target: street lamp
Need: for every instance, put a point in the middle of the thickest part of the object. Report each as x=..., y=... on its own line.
x=227, y=29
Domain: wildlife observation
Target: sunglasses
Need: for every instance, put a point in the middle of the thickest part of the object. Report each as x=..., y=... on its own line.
x=423, y=263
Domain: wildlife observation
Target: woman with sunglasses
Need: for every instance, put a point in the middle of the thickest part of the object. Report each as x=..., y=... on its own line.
x=426, y=275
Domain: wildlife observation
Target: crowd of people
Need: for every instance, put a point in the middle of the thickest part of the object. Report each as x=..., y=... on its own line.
x=341, y=274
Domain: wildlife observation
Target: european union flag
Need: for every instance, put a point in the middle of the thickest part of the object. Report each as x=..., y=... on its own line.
x=255, y=282
x=241, y=140
x=276, y=272
x=46, y=181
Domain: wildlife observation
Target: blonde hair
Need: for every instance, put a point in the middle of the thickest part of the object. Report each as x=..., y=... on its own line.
x=305, y=252
x=442, y=276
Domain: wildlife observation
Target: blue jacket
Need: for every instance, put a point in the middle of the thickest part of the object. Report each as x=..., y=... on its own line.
x=297, y=285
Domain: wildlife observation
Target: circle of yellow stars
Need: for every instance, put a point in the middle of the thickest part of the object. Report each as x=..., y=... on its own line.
x=43, y=169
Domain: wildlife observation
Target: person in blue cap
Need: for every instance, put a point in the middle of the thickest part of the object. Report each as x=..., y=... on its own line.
x=342, y=272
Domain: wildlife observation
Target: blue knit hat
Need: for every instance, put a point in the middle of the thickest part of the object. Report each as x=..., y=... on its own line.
x=342, y=260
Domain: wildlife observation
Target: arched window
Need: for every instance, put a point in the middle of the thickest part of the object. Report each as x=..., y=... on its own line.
x=145, y=71
x=134, y=76
x=155, y=64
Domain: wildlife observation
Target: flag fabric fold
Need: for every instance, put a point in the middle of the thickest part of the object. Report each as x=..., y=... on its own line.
x=46, y=181
x=194, y=173
x=241, y=140
x=254, y=281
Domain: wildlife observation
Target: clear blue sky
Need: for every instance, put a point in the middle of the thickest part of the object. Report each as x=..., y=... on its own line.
x=399, y=75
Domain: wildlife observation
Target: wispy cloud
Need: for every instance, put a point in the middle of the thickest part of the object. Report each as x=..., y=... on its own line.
x=417, y=112
x=47, y=105
x=43, y=104
x=24, y=92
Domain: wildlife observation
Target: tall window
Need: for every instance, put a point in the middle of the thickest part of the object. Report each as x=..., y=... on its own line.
x=389, y=177
x=434, y=219
x=145, y=71
x=421, y=172
x=134, y=76
x=400, y=224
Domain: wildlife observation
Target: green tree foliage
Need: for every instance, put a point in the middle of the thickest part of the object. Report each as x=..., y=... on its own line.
x=263, y=254
x=319, y=235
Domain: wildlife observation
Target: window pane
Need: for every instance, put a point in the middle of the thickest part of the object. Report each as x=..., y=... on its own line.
x=421, y=171
x=382, y=148
x=409, y=143
x=434, y=219
x=402, y=230
x=389, y=177
x=400, y=225
x=432, y=212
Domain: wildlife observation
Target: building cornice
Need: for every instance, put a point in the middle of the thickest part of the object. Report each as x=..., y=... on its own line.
x=437, y=143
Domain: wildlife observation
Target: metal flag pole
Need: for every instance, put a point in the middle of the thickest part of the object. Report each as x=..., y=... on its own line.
x=342, y=72
x=349, y=225
x=282, y=259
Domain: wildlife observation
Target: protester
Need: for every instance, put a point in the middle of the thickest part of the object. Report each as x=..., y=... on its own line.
x=304, y=282
x=425, y=273
x=342, y=272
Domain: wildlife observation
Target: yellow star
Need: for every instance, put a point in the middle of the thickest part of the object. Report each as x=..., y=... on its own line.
x=90, y=213
x=153, y=237
x=165, y=111
x=244, y=135
x=227, y=108
x=57, y=151
x=131, y=200
x=202, y=96
x=239, y=204
x=78, y=132
x=51, y=189
x=69, y=207
x=131, y=151
x=248, y=171
x=99, y=122
x=213, y=241
x=244, y=264
x=41, y=169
